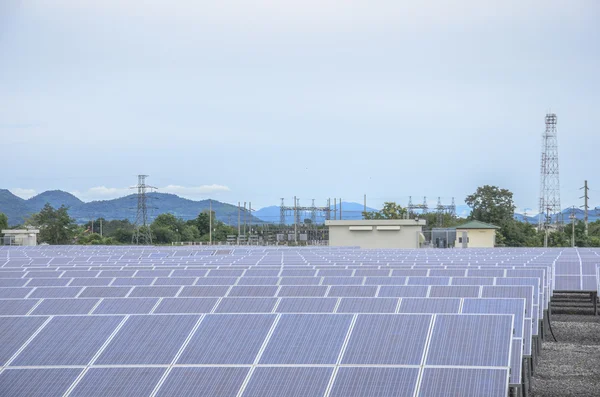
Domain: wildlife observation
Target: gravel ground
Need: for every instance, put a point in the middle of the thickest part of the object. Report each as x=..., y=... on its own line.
x=571, y=366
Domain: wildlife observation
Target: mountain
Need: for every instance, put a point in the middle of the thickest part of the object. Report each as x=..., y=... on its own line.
x=14, y=207
x=18, y=209
x=350, y=211
x=55, y=198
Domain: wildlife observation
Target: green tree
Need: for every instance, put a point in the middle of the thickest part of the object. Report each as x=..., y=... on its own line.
x=55, y=225
x=491, y=204
x=390, y=210
x=3, y=222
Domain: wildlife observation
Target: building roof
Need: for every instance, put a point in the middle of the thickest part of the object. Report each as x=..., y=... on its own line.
x=20, y=231
x=477, y=225
x=376, y=222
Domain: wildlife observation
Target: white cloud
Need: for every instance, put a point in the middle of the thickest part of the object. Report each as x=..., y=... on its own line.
x=23, y=193
x=191, y=192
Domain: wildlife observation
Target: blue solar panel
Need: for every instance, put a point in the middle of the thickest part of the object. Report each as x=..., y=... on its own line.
x=454, y=291
x=186, y=305
x=428, y=281
x=352, y=291
x=258, y=281
x=300, y=281
x=126, y=306
x=436, y=382
x=116, y=382
x=227, y=339
x=375, y=382
x=105, y=292
x=65, y=306
x=342, y=281
x=217, y=281
x=154, y=292
x=175, y=281
x=400, y=291
x=44, y=382
x=307, y=305
x=14, y=331
x=288, y=382
x=254, y=290
x=429, y=305
x=204, y=291
x=302, y=291
x=14, y=292
x=307, y=339
x=11, y=307
x=385, y=281
x=387, y=339
x=13, y=282
x=206, y=381
x=165, y=334
x=368, y=305
x=48, y=282
x=471, y=340
x=68, y=341
x=498, y=306
x=132, y=281
x=246, y=305
x=85, y=282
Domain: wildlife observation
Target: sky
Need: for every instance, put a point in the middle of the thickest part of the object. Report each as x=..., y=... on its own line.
x=256, y=100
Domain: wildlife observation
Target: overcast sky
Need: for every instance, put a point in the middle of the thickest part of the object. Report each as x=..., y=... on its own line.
x=256, y=100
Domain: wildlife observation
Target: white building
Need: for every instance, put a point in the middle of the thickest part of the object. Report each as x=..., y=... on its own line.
x=26, y=237
x=380, y=233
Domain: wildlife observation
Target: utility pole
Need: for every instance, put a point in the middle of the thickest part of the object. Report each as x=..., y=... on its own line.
x=245, y=218
x=239, y=223
x=100, y=227
x=340, y=208
x=295, y=220
x=92, y=226
x=573, y=226
x=210, y=222
x=250, y=210
x=365, y=210
x=334, y=208
x=585, y=206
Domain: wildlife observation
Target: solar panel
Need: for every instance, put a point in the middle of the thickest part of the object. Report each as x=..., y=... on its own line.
x=368, y=305
x=165, y=334
x=186, y=305
x=246, y=305
x=125, y=306
x=288, y=382
x=12, y=307
x=42, y=382
x=118, y=382
x=437, y=382
x=429, y=305
x=471, y=340
x=307, y=339
x=307, y=305
x=68, y=341
x=14, y=332
x=387, y=339
x=227, y=339
x=203, y=381
x=375, y=382
x=65, y=306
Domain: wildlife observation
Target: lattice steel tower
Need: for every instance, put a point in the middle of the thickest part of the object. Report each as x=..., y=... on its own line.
x=550, y=209
x=141, y=232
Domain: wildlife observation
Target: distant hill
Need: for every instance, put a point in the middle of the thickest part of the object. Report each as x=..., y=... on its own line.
x=18, y=209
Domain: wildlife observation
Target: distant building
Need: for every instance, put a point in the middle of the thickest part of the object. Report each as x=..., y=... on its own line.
x=26, y=237
x=476, y=234
x=393, y=233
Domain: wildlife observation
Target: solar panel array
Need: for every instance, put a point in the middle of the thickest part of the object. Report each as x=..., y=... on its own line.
x=227, y=321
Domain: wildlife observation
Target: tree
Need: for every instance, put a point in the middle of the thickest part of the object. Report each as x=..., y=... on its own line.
x=390, y=210
x=490, y=204
x=56, y=226
x=3, y=222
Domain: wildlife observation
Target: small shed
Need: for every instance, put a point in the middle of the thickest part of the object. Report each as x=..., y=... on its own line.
x=27, y=237
x=477, y=234
x=380, y=233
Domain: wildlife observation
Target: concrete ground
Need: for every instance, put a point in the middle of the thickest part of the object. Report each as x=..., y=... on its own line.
x=571, y=366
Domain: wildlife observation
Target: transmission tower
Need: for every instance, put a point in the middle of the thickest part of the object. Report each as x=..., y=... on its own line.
x=141, y=232
x=549, y=177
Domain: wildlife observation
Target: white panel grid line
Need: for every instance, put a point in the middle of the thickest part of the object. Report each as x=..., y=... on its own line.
x=96, y=306
x=276, y=305
x=30, y=292
x=337, y=305
x=397, y=310
x=176, y=358
x=39, y=302
x=424, y=356
x=129, y=292
x=158, y=302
